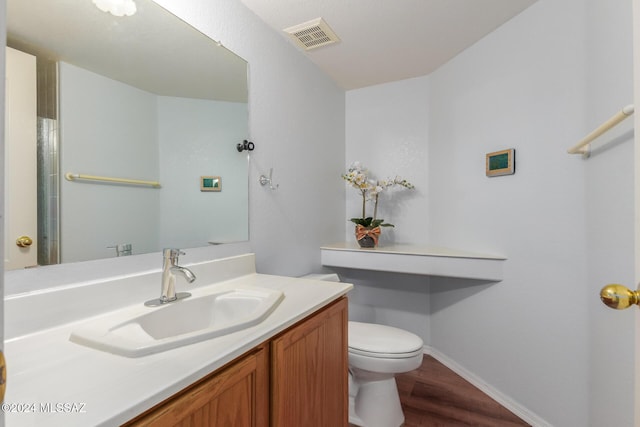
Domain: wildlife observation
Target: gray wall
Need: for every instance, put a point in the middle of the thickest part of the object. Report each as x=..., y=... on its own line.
x=522, y=87
x=388, y=132
x=94, y=217
x=296, y=117
x=149, y=137
x=196, y=139
x=538, y=339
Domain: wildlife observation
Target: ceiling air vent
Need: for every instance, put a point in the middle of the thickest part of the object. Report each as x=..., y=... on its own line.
x=312, y=34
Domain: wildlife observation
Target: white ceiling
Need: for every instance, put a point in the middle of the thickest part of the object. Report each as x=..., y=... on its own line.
x=389, y=40
x=148, y=50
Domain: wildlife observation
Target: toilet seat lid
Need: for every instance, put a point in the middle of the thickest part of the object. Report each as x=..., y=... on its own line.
x=382, y=340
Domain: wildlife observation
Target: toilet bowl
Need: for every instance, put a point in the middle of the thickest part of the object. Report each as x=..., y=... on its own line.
x=376, y=354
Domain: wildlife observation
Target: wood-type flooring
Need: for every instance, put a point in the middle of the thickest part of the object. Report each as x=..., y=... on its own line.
x=435, y=396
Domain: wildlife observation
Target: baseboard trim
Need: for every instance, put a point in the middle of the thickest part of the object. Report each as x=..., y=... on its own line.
x=519, y=410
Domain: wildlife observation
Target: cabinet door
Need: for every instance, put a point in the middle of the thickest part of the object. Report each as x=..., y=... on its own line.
x=237, y=396
x=309, y=365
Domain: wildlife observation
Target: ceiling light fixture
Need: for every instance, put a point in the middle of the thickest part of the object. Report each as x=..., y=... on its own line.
x=116, y=7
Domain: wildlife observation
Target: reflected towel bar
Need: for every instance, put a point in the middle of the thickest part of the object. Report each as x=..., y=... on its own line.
x=620, y=116
x=73, y=176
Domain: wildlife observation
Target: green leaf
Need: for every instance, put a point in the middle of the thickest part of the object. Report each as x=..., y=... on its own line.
x=370, y=222
x=361, y=221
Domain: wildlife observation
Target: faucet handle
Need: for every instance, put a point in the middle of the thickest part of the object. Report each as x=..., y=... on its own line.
x=172, y=253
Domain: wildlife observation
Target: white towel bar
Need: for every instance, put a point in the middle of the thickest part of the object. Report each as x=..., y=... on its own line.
x=579, y=148
x=73, y=176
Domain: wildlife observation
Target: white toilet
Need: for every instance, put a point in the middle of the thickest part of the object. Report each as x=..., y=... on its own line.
x=376, y=354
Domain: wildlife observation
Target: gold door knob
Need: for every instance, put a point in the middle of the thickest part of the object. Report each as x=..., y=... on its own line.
x=619, y=296
x=24, y=241
x=3, y=376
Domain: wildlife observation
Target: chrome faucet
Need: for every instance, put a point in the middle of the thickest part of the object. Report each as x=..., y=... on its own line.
x=168, y=284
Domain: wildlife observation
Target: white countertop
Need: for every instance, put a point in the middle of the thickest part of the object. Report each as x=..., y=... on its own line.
x=415, y=259
x=406, y=249
x=47, y=372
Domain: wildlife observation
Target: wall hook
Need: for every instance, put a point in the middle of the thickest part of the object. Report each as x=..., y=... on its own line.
x=264, y=180
x=245, y=145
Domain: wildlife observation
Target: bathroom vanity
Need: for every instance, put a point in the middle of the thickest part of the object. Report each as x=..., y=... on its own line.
x=297, y=378
x=286, y=370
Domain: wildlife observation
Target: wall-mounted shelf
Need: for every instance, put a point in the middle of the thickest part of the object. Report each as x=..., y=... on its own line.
x=413, y=259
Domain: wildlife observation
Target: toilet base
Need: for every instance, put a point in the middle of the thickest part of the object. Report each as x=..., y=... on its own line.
x=353, y=418
x=374, y=400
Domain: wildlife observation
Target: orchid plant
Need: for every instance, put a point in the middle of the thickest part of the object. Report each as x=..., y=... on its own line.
x=357, y=177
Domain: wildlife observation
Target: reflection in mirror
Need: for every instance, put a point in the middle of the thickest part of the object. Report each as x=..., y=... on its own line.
x=141, y=97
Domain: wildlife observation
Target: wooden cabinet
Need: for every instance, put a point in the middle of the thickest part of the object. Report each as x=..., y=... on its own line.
x=309, y=365
x=235, y=396
x=299, y=378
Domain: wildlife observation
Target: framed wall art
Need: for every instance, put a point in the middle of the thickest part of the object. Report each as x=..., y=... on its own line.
x=501, y=162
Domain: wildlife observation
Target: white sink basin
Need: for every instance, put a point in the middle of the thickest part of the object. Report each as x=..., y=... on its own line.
x=138, y=331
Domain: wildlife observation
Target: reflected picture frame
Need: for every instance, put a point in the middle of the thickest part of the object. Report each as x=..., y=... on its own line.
x=210, y=183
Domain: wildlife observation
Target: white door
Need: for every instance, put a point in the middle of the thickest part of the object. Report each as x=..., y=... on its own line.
x=636, y=122
x=2, y=127
x=619, y=372
x=20, y=161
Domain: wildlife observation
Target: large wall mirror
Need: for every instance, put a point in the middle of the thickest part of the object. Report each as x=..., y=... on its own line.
x=141, y=97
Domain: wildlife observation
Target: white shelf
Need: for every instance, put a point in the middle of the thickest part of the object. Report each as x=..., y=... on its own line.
x=413, y=259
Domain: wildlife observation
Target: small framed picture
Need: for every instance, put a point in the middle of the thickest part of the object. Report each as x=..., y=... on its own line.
x=501, y=162
x=210, y=183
